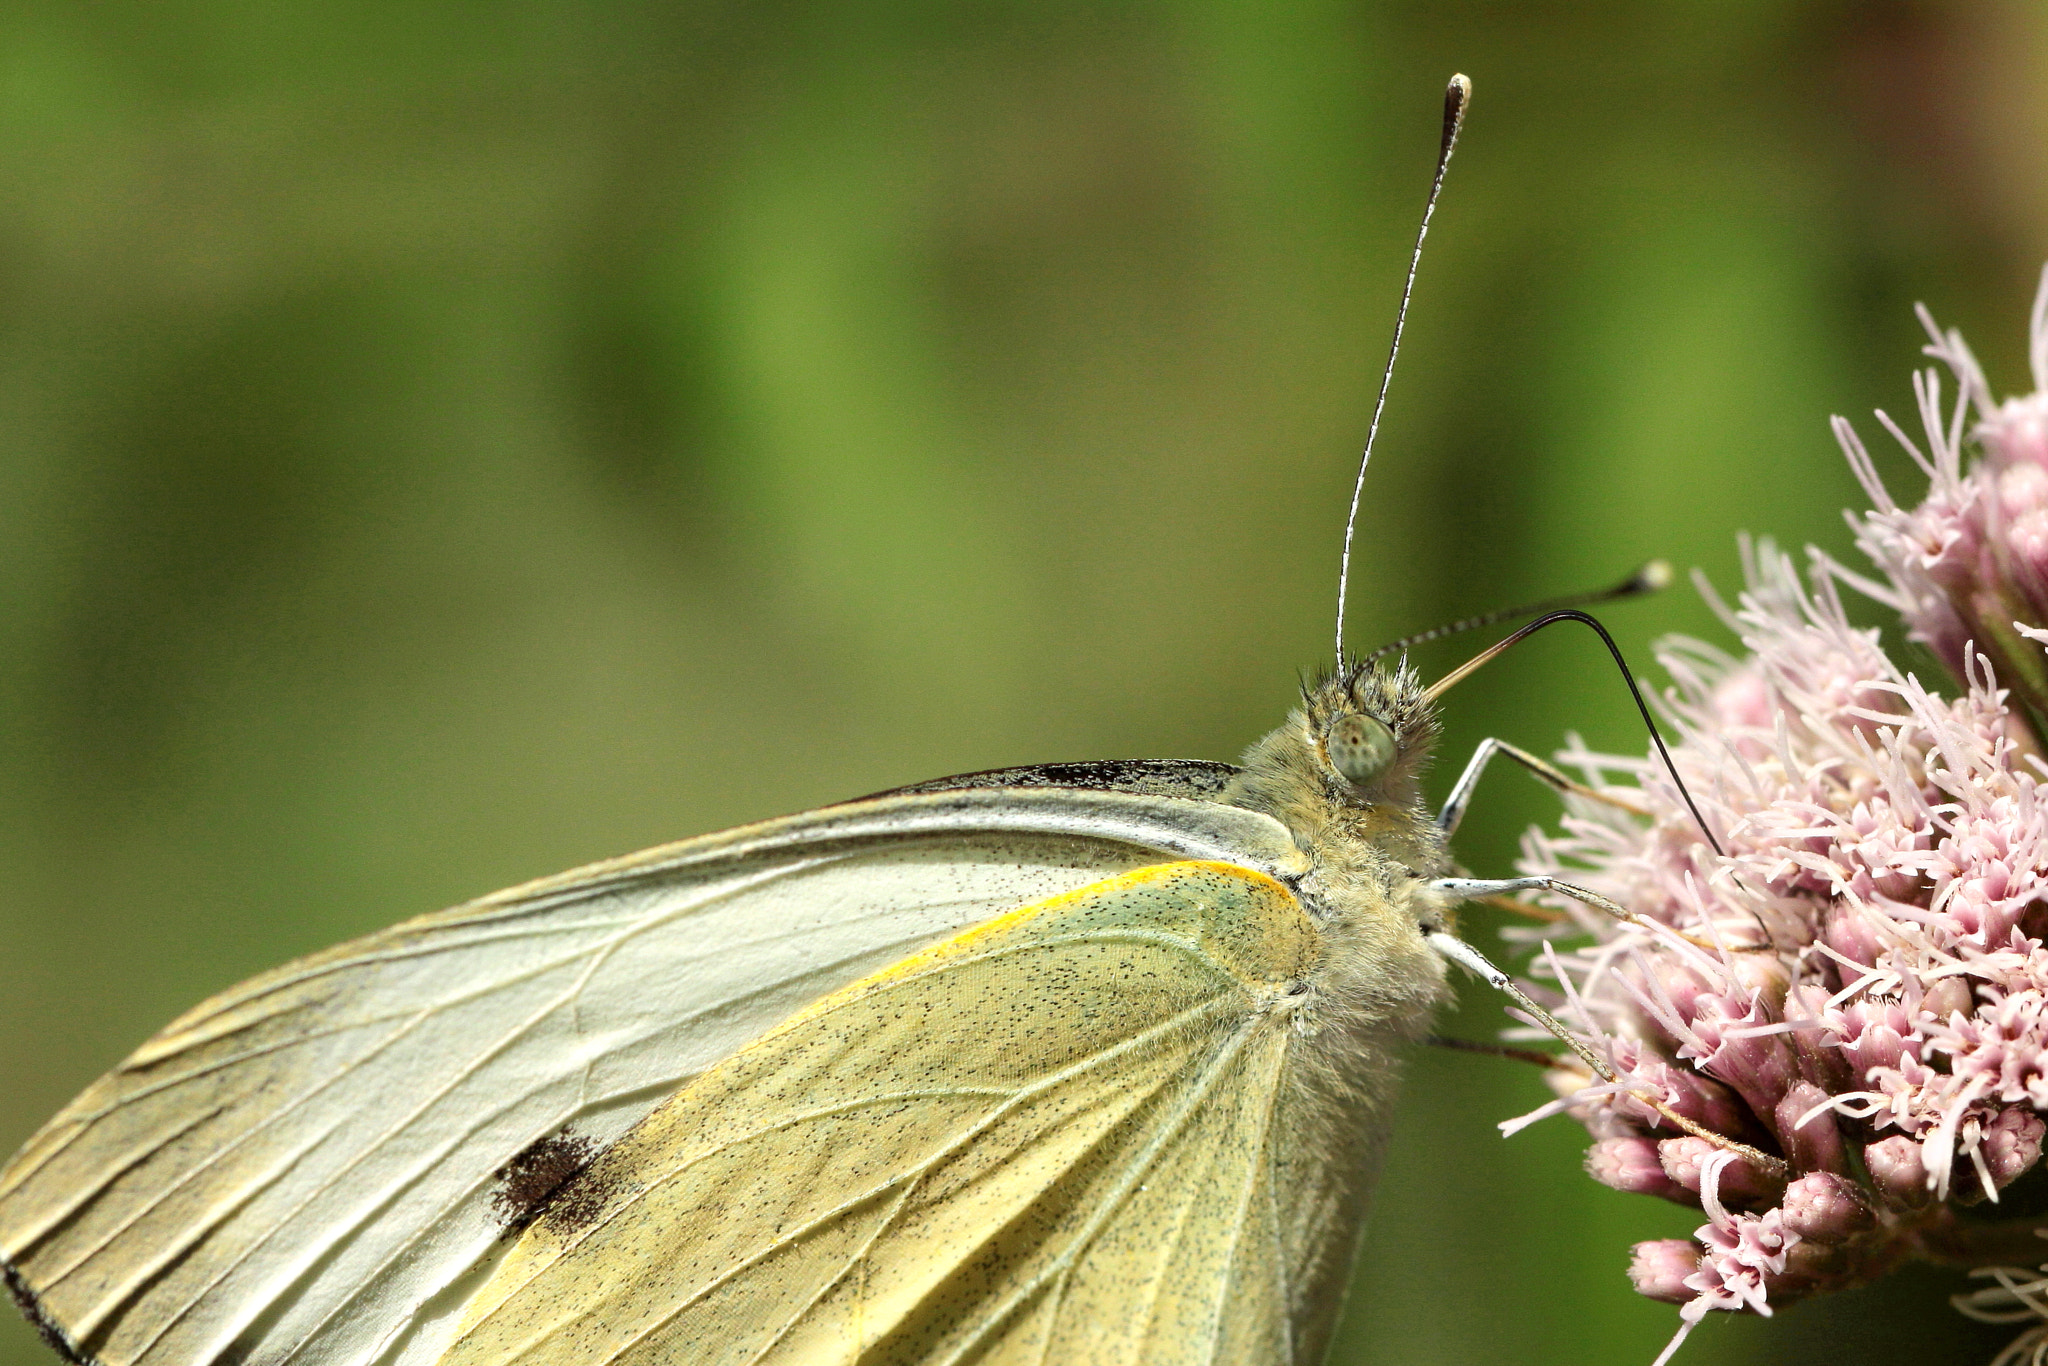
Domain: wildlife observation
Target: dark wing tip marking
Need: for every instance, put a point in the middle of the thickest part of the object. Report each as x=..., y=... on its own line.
x=529, y=1183
x=39, y=1318
x=1197, y=778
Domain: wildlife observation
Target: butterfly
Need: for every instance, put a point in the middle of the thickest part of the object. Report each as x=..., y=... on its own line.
x=1077, y=1062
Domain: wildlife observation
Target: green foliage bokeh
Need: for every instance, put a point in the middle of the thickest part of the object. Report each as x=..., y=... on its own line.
x=442, y=443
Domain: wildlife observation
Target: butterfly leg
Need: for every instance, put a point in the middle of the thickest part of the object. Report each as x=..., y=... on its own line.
x=1473, y=961
x=1476, y=888
x=1488, y=888
x=1461, y=794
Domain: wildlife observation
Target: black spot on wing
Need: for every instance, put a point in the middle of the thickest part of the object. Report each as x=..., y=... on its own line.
x=45, y=1326
x=580, y=1200
x=532, y=1179
x=1196, y=778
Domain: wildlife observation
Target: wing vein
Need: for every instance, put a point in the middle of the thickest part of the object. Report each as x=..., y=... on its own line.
x=1140, y=1164
x=838, y=1278
x=364, y=1209
x=625, y=929
x=427, y=947
x=948, y=1149
x=63, y=1212
x=1251, y=1186
x=595, y=953
x=1284, y=1287
x=560, y=1118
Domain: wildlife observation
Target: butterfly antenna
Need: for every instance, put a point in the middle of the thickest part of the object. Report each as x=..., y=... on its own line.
x=1457, y=96
x=1494, y=651
x=1653, y=577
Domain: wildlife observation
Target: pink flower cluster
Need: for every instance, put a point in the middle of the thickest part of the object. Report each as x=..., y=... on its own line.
x=1857, y=986
x=1968, y=568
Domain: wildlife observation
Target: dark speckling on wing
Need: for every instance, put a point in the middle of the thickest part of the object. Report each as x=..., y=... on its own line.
x=45, y=1327
x=1197, y=778
x=529, y=1181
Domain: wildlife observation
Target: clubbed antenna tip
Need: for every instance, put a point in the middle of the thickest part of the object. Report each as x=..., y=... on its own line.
x=1457, y=99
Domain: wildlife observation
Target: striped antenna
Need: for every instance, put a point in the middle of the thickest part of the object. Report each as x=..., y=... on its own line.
x=1457, y=96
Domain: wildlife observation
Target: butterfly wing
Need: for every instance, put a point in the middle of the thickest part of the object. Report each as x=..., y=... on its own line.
x=304, y=1168
x=1079, y=1133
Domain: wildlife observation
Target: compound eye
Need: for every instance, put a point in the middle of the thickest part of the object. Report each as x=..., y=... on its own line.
x=1360, y=748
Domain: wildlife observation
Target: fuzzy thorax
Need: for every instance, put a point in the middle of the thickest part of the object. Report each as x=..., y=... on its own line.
x=1372, y=848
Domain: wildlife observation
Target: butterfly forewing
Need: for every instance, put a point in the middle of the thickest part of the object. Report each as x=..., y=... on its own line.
x=1053, y=1138
x=307, y=1167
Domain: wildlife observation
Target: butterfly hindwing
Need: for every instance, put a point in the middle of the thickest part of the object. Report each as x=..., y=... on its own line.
x=1052, y=1138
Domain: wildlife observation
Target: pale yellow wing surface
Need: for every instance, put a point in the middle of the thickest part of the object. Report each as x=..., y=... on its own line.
x=311, y=1168
x=1080, y=1133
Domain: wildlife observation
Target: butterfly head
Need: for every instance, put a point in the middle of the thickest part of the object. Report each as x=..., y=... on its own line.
x=1356, y=746
x=1371, y=730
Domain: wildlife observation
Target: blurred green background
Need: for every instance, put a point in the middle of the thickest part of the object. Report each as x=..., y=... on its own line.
x=442, y=443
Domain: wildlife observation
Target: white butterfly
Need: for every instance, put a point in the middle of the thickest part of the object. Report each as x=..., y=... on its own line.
x=1154, y=1095
x=1083, y=1062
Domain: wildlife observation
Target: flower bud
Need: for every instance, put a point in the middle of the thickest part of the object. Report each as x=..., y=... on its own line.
x=1768, y=976
x=1682, y=986
x=1824, y=1208
x=1948, y=996
x=2027, y=545
x=1740, y=1184
x=1852, y=934
x=2011, y=1144
x=1758, y=1066
x=2022, y=488
x=1898, y=1172
x=1658, y=1269
x=1698, y=1097
x=1873, y=1035
x=1631, y=1164
x=2017, y=433
x=1815, y=1144
x=1744, y=698
x=1819, y=1061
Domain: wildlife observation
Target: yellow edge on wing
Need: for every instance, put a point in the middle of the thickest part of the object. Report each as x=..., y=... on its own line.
x=938, y=953
x=712, y=1217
